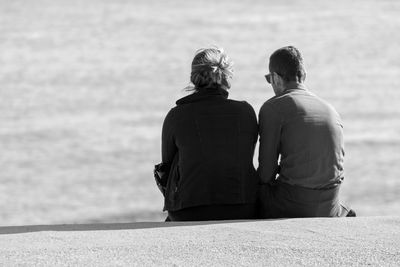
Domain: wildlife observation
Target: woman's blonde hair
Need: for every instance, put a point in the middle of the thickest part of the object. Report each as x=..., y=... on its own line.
x=211, y=68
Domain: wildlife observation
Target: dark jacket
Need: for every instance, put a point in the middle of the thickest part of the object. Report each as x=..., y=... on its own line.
x=214, y=139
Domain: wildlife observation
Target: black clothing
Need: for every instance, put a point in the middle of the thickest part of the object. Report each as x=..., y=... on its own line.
x=214, y=212
x=215, y=139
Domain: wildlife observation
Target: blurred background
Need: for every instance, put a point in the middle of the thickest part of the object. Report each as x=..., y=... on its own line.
x=85, y=86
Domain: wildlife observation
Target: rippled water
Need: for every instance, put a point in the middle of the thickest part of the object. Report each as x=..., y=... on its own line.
x=84, y=87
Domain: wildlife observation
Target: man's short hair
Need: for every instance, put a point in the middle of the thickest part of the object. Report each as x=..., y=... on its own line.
x=287, y=62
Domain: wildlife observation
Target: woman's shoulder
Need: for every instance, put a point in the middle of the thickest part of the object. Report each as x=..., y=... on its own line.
x=241, y=104
x=171, y=114
x=243, y=107
x=227, y=104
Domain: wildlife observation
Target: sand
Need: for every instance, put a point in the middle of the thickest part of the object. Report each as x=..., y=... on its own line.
x=312, y=241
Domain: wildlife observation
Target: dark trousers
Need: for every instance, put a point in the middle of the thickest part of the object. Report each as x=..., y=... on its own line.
x=214, y=212
x=281, y=200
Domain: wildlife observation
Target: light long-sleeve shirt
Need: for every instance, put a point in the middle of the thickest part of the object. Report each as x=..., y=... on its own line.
x=301, y=141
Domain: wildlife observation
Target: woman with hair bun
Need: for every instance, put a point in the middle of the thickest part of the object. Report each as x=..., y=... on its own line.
x=208, y=141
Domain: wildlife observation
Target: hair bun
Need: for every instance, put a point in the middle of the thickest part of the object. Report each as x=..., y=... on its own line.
x=211, y=67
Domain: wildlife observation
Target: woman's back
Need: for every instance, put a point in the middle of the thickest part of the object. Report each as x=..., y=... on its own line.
x=209, y=142
x=215, y=139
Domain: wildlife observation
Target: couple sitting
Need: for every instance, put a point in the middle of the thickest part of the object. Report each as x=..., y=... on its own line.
x=208, y=144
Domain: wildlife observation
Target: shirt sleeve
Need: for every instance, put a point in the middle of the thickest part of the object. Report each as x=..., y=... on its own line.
x=270, y=125
x=168, y=146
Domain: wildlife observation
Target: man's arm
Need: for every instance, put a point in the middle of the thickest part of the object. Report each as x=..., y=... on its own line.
x=270, y=138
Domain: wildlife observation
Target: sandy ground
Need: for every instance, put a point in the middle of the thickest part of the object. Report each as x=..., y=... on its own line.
x=315, y=241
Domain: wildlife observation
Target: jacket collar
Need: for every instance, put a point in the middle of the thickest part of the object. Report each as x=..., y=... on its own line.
x=203, y=95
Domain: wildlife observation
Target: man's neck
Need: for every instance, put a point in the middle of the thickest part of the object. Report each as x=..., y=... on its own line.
x=294, y=85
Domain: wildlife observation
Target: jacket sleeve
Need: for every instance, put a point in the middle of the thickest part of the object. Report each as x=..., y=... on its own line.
x=168, y=146
x=270, y=126
x=252, y=118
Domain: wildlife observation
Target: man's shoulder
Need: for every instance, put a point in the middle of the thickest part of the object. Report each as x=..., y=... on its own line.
x=279, y=99
x=294, y=100
x=295, y=97
x=322, y=103
x=273, y=103
x=270, y=109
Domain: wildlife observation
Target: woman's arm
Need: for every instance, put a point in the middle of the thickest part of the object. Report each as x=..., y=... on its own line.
x=168, y=146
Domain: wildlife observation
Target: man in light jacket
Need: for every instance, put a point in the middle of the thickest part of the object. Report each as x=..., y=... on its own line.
x=301, y=146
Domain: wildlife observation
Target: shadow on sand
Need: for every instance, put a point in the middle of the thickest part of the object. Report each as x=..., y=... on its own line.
x=5, y=230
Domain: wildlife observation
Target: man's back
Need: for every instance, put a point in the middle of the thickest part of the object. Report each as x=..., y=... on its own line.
x=307, y=133
x=301, y=141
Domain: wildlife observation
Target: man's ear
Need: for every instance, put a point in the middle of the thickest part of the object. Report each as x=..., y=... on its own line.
x=274, y=77
x=302, y=76
x=277, y=79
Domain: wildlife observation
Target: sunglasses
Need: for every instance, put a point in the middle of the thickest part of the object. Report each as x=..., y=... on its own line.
x=269, y=75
